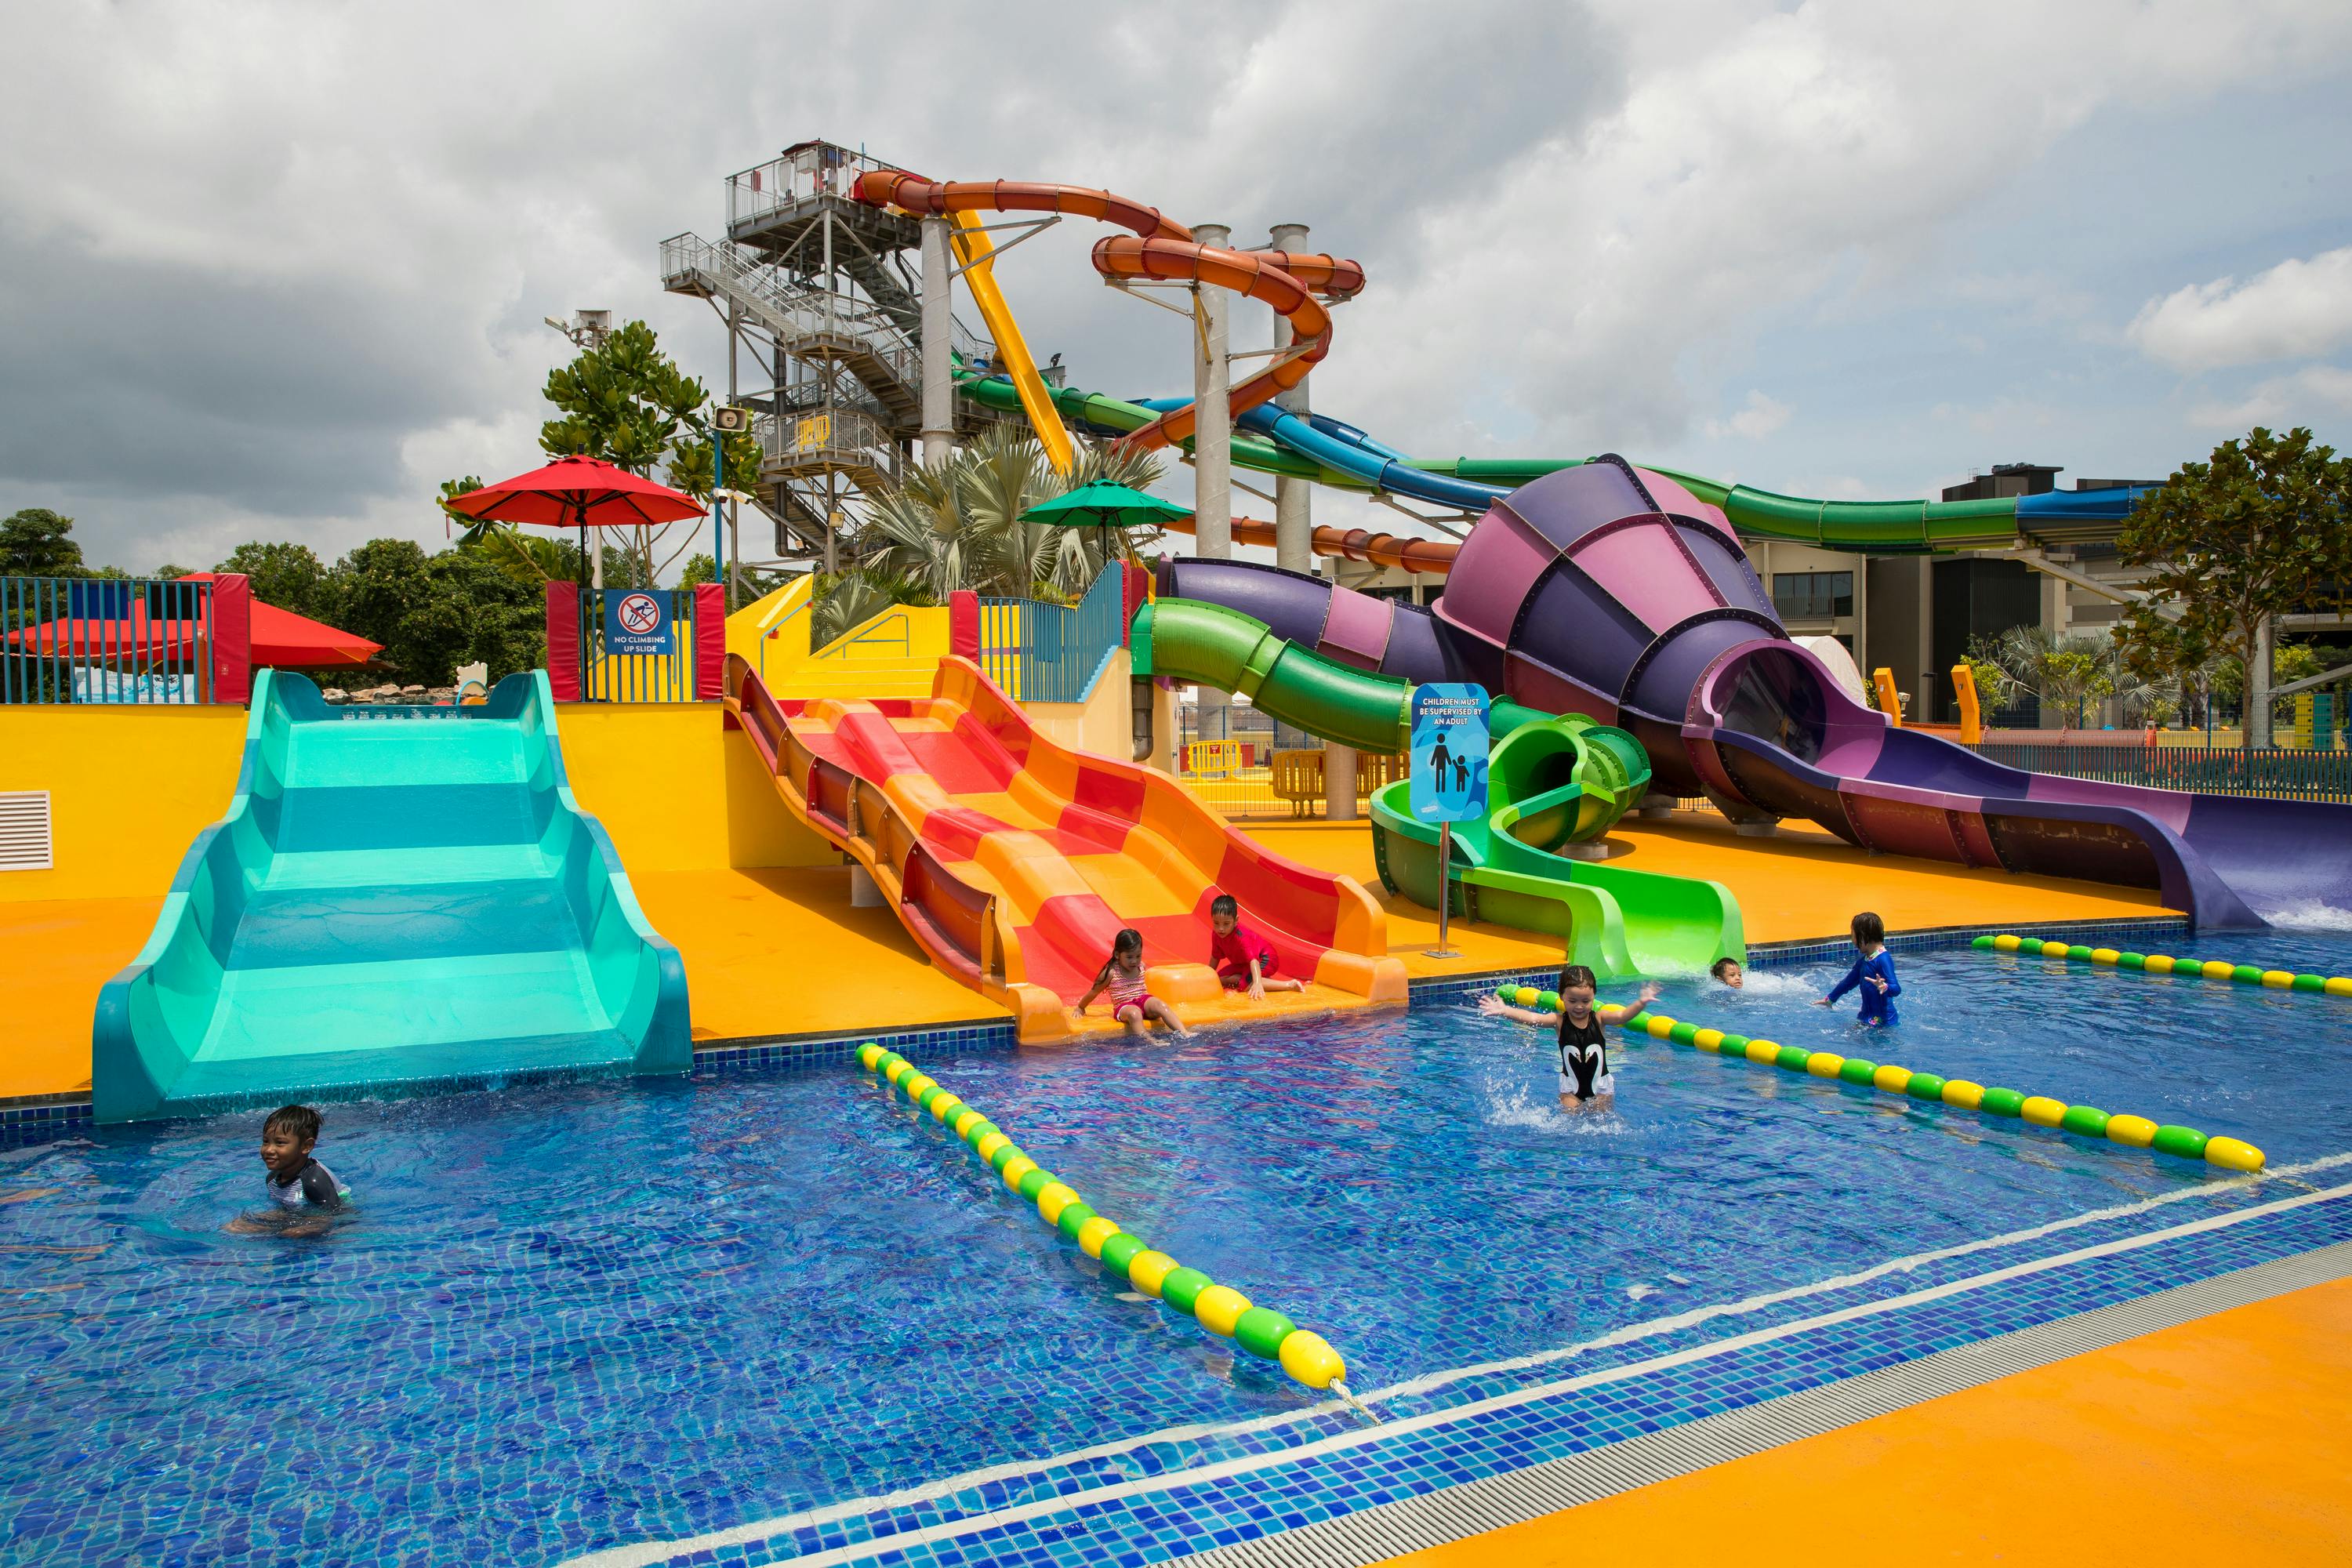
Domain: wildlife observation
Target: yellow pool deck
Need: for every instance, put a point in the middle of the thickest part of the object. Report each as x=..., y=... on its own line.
x=773, y=951
x=2225, y=1440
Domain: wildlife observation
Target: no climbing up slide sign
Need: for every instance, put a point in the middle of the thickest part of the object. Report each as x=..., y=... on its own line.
x=636, y=622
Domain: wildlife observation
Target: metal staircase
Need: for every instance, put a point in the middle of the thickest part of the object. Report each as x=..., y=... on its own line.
x=817, y=287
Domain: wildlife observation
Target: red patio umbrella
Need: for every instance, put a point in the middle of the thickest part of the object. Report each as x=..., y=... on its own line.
x=278, y=637
x=577, y=492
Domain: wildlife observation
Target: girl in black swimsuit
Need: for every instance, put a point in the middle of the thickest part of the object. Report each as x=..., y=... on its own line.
x=1585, y=1080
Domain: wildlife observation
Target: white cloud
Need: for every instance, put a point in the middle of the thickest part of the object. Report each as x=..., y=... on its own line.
x=1758, y=418
x=2297, y=310
x=2282, y=402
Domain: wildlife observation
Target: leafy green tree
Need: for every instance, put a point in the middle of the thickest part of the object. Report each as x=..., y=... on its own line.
x=432, y=613
x=170, y=570
x=627, y=402
x=287, y=575
x=2230, y=542
x=38, y=543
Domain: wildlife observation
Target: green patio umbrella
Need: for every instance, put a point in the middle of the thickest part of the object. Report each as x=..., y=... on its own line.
x=1104, y=505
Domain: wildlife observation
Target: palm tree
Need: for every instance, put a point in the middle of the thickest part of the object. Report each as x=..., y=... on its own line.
x=957, y=524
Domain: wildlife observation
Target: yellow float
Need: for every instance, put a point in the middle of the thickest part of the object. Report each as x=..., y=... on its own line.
x=1306, y=1356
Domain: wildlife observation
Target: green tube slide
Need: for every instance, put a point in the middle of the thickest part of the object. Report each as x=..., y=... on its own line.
x=1886, y=528
x=1554, y=783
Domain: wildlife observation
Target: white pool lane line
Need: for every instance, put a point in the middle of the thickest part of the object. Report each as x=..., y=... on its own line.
x=644, y=1554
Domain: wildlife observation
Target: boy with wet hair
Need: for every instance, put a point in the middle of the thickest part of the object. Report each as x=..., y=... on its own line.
x=1245, y=960
x=1727, y=971
x=301, y=1189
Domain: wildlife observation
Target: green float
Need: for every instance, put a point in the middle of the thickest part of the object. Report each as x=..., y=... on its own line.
x=1857, y=1070
x=1120, y=1251
x=2185, y=1141
x=1925, y=1086
x=1033, y=1181
x=1072, y=1218
x=1793, y=1057
x=1183, y=1288
x=2088, y=1121
x=2002, y=1102
x=1261, y=1330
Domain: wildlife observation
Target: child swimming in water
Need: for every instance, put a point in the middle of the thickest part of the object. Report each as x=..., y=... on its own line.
x=1728, y=971
x=302, y=1191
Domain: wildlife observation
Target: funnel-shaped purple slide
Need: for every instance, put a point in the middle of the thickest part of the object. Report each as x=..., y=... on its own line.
x=1613, y=590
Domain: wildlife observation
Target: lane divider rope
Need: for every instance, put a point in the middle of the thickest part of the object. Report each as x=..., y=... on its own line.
x=1224, y=1312
x=2157, y=963
x=2039, y=1110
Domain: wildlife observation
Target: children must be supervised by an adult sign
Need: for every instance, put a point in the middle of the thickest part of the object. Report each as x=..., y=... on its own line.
x=636, y=624
x=1448, y=775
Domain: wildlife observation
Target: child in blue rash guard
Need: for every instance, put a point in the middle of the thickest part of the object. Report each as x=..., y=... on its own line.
x=1873, y=974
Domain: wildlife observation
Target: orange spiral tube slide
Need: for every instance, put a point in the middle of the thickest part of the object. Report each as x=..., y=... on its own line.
x=1159, y=249
x=1426, y=557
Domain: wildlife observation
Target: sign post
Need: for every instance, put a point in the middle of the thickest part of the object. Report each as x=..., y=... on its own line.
x=1449, y=777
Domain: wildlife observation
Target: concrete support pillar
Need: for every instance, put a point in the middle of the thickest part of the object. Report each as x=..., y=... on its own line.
x=1212, y=441
x=1294, y=524
x=939, y=389
x=2257, y=717
x=862, y=893
x=1339, y=782
x=1213, y=493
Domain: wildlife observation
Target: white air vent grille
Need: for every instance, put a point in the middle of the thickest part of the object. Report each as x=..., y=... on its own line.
x=25, y=843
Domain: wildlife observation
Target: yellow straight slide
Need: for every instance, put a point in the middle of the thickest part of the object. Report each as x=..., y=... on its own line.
x=974, y=249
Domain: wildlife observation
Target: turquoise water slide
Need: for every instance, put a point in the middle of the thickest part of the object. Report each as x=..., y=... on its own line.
x=396, y=897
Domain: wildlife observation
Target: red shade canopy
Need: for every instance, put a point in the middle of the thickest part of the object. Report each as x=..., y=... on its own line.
x=577, y=492
x=278, y=637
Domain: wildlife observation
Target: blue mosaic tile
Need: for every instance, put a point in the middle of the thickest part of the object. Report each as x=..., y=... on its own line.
x=1545, y=1423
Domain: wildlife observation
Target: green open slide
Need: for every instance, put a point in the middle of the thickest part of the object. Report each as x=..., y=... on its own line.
x=397, y=897
x=1552, y=782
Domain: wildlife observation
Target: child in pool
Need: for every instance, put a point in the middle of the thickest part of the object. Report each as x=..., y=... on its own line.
x=1873, y=974
x=1585, y=1083
x=1245, y=960
x=1122, y=976
x=1728, y=972
x=302, y=1191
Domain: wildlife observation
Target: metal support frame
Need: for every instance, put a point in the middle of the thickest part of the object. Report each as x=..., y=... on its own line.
x=1032, y=227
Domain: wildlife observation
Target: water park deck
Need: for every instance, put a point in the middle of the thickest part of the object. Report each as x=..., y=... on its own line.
x=779, y=951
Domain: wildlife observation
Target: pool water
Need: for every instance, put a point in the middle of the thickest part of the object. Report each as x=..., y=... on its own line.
x=569, y=1317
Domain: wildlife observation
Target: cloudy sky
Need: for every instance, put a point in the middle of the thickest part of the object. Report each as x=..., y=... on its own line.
x=275, y=271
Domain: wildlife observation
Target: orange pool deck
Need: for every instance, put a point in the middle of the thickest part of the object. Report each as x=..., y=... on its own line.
x=2225, y=1440
x=780, y=951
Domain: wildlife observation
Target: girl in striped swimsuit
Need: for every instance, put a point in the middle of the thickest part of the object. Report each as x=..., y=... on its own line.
x=1122, y=976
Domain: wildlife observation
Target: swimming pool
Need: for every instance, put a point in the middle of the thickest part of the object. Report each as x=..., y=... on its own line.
x=568, y=1319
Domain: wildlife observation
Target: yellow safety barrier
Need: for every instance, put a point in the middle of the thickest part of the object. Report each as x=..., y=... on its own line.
x=2158, y=963
x=2085, y=1121
x=1224, y=1312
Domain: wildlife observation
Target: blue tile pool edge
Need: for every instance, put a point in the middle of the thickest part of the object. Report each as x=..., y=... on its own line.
x=1337, y=1468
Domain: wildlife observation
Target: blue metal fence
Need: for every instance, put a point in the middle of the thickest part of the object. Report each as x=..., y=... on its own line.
x=1052, y=653
x=105, y=639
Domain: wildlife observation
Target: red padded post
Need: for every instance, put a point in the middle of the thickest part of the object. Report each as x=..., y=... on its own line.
x=232, y=637
x=964, y=625
x=710, y=641
x=563, y=639
x=1135, y=592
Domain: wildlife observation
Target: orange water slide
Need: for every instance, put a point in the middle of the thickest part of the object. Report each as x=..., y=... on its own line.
x=1428, y=557
x=1293, y=283
x=1013, y=860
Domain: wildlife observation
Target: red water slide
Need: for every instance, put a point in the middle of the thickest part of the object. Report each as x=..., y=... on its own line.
x=1293, y=283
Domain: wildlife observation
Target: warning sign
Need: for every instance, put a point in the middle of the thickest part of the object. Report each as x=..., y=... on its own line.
x=636, y=622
